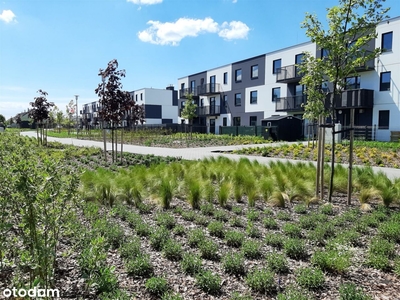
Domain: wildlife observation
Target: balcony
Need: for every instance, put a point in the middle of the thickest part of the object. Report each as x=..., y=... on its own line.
x=209, y=89
x=367, y=66
x=288, y=74
x=358, y=98
x=204, y=111
x=290, y=103
x=184, y=92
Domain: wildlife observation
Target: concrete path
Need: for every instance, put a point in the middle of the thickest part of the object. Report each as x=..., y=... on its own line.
x=198, y=153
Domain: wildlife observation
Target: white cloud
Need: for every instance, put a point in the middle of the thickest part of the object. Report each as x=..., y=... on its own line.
x=234, y=30
x=169, y=33
x=172, y=33
x=7, y=16
x=145, y=2
x=234, y=1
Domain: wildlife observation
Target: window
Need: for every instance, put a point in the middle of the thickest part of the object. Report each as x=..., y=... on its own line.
x=141, y=96
x=324, y=53
x=224, y=122
x=254, y=71
x=238, y=99
x=202, y=81
x=325, y=87
x=385, y=81
x=224, y=101
x=183, y=104
x=253, y=120
x=383, y=119
x=276, y=93
x=192, y=86
x=298, y=61
x=353, y=83
x=253, y=97
x=202, y=102
x=182, y=86
x=136, y=97
x=276, y=66
x=387, y=41
x=226, y=78
x=236, y=121
x=212, y=84
x=238, y=75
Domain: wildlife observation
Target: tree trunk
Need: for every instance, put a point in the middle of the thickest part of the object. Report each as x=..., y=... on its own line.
x=122, y=143
x=105, y=141
x=322, y=170
x=350, y=174
x=112, y=143
x=318, y=177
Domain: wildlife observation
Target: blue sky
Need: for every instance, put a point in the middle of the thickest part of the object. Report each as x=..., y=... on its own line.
x=60, y=45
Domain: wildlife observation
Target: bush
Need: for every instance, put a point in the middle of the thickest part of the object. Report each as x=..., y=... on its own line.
x=294, y=293
x=216, y=228
x=236, y=222
x=169, y=296
x=277, y=263
x=139, y=266
x=252, y=231
x=300, y=208
x=172, y=250
x=349, y=291
x=270, y=223
x=251, y=249
x=209, y=250
x=220, y=215
x=261, y=281
x=207, y=209
x=333, y=260
x=166, y=220
x=233, y=263
x=284, y=216
x=142, y=229
x=179, y=230
x=156, y=285
x=292, y=230
x=295, y=248
x=237, y=296
x=208, y=282
x=310, y=278
x=253, y=215
x=201, y=220
x=191, y=263
x=390, y=230
x=275, y=240
x=188, y=215
x=159, y=237
x=130, y=249
x=195, y=237
x=234, y=238
x=237, y=210
x=327, y=209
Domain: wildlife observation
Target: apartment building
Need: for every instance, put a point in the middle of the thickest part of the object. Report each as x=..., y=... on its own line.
x=245, y=92
x=160, y=106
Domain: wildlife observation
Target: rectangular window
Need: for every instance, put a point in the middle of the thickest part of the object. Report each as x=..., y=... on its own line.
x=182, y=86
x=387, y=39
x=353, y=83
x=254, y=71
x=226, y=78
x=141, y=96
x=276, y=93
x=236, y=121
x=224, y=121
x=192, y=86
x=136, y=97
x=324, y=53
x=212, y=84
x=383, y=119
x=298, y=60
x=253, y=97
x=253, y=120
x=238, y=99
x=202, y=102
x=238, y=75
x=385, y=81
x=276, y=66
x=224, y=101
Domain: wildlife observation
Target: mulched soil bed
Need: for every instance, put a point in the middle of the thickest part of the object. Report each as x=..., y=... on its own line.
x=380, y=285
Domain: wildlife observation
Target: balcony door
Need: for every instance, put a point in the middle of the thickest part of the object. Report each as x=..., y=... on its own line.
x=298, y=61
x=212, y=126
x=299, y=95
x=212, y=84
x=212, y=105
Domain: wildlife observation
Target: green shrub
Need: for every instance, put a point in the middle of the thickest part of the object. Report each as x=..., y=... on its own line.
x=156, y=285
x=236, y=222
x=159, y=237
x=292, y=230
x=166, y=220
x=307, y=222
x=130, y=249
x=261, y=281
x=275, y=240
x=237, y=296
x=233, y=263
x=294, y=293
x=209, y=250
x=378, y=261
x=334, y=260
x=113, y=233
x=195, y=237
x=253, y=215
x=216, y=228
x=220, y=215
x=201, y=220
x=139, y=266
x=277, y=263
x=234, y=238
x=284, y=216
x=349, y=291
x=188, y=215
x=251, y=249
x=327, y=209
x=143, y=229
x=179, y=230
x=172, y=250
x=237, y=210
x=381, y=246
x=300, y=208
x=270, y=223
x=295, y=248
x=310, y=278
x=207, y=209
x=170, y=296
x=252, y=230
x=209, y=282
x=144, y=208
x=191, y=263
x=390, y=230
x=116, y=294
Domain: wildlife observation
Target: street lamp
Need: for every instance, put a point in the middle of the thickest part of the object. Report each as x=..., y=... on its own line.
x=76, y=109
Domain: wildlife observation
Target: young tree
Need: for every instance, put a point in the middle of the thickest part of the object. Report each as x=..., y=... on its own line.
x=70, y=111
x=352, y=25
x=40, y=114
x=189, y=111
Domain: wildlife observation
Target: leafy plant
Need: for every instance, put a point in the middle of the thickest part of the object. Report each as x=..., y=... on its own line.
x=270, y=223
x=156, y=285
x=233, y=263
x=334, y=260
x=234, y=238
x=291, y=230
x=209, y=282
x=310, y=278
x=166, y=220
x=172, y=250
x=159, y=237
x=209, y=250
x=261, y=281
x=139, y=266
x=191, y=263
x=130, y=249
x=207, y=209
x=252, y=230
x=295, y=248
x=216, y=228
x=275, y=240
x=294, y=293
x=277, y=263
x=349, y=291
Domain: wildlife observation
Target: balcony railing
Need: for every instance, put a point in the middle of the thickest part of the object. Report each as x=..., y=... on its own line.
x=358, y=98
x=209, y=89
x=184, y=92
x=290, y=103
x=288, y=74
x=203, y=111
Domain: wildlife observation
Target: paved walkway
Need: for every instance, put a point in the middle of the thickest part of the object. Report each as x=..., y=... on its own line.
x=197, y=153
